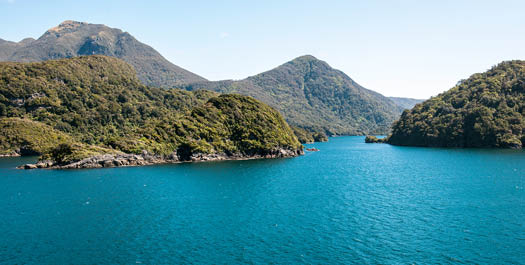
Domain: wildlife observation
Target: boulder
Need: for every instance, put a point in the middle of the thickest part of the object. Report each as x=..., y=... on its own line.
x=30, y=166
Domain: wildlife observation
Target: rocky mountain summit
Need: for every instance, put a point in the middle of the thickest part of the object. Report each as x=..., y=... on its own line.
x=72, y=38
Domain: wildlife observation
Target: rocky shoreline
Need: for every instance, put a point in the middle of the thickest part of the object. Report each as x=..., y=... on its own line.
x=145, y=158
x=13, y=154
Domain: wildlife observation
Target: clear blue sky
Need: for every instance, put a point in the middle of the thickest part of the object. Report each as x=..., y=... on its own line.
x=398, y=48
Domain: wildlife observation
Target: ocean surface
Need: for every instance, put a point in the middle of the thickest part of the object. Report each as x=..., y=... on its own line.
x=349, y=203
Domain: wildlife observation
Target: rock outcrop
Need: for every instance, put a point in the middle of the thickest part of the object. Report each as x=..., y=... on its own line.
x=145, y=158
x=11, y=154
x=312, y=149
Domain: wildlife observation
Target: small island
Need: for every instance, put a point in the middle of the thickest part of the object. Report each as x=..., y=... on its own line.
x=369, y=139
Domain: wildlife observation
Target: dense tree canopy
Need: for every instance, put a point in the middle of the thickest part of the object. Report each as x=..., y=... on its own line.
x=306, y=136
x=99, y=101
x=486, y=110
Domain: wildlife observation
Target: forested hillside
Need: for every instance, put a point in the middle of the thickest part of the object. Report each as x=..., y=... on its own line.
x=314, y=96
x=485, y=110
x=98, y=101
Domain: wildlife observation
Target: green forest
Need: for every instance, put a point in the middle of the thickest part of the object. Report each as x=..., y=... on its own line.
x=485, y=110
x=96, y=104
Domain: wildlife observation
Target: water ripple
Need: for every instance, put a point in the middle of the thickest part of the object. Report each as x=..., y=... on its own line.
x=350, y=203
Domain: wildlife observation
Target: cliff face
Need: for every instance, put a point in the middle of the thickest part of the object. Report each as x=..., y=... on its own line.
x=485, y=110
x=97, y=106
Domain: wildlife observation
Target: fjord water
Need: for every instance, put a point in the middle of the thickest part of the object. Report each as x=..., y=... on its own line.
x=348, y=203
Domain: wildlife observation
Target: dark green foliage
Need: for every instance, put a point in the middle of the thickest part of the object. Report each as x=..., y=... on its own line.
x=240, y=124
x=69, y=152
x=305, y=136
x=312, y=95
x=73, y=38
x=319, y=137
x=26, y=137
x=370, y=139
x=486, y=110
x=60, y=152
x=99, y=103
x=94, y=98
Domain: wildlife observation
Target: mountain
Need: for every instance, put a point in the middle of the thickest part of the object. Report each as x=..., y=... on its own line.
x=71, y=38
x=406, y=103
x=308, y=92
x=71, y=109
x=486, y=110
x=314, y=96
x=7, y=48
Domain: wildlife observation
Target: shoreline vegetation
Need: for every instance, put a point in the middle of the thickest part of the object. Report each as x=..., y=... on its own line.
x=487, y=110
x=307, y=137
x=92, y=111
x=145, y=158
x=370, y=139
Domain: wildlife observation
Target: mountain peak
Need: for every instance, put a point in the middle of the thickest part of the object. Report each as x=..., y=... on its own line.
x=26, y=41
x=73, y=38
x=67, y=25
x=314, y=96
x=307, y=61
x=71, y=22
x=306, y=57
x=303, y=64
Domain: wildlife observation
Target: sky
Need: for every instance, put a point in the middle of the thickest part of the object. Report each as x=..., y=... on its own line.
x=407, y=48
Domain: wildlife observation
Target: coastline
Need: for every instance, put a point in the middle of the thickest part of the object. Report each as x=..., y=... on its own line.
x=145, y=158
x=10, y=155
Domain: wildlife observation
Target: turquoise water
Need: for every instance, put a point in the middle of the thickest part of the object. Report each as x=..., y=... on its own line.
x=349, y=203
